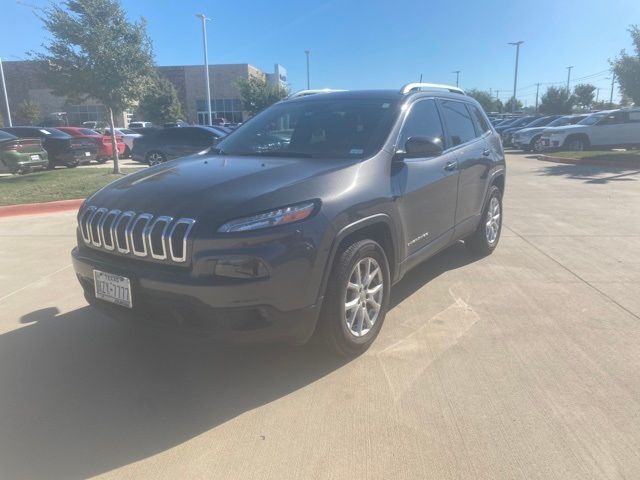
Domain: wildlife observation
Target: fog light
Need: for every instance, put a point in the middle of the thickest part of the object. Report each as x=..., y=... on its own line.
x=241, y=267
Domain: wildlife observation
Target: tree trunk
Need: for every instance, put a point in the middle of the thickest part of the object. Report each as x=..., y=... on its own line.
x=114, y=144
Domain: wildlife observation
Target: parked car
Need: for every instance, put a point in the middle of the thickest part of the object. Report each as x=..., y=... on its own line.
x=128, y=137
x=103, y=143
x=179, y=123
x=532, y=138
x=607, y=129
x=21, y=155
x=507, y=132
x=523, y=138
x=62, y=148
x=255, y=240
x=134, y=125
x=170, y=143
x=95, y=125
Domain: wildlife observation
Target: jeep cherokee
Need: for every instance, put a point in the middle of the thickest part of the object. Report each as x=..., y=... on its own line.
x=299, y=221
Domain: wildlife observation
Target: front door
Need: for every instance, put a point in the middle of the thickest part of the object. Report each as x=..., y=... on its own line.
x=426, y=187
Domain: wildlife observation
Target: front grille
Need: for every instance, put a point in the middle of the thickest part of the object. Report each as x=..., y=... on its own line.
x=134, y=234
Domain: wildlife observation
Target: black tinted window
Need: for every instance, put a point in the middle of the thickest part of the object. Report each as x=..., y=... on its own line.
x=459, y=122
x=423, y=121
x=481, y=121
x=5, y=135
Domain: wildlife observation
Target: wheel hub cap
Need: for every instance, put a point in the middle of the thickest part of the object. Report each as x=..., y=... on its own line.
x=363, y=297
x=493, y=221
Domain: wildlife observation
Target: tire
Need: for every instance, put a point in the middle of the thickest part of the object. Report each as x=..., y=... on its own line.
x=339, y=334
x=51, y=165
x=155, y=157
x=576, y=144
x=486, y=237
x=536, y=144
x=100, y=161
x=127, y=152
x=73, y=164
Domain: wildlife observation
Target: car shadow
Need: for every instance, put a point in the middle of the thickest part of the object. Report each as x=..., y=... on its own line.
x=592, y=174
x=81, y=394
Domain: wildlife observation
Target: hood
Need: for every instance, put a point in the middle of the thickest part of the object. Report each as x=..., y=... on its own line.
x=566, y=127
x=531, y=130
x=218, y=187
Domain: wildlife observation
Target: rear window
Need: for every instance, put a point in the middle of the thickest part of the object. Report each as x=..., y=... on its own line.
x=87, y=131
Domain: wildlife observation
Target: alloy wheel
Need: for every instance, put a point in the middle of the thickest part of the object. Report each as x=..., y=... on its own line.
x=363, y=297
x=493, y=220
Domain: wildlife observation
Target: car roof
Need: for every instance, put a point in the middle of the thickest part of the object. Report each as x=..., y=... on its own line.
x=388, y=95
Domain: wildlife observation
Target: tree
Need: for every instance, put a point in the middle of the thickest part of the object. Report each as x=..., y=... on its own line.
x=556, y=101
x=627, y=68
x=160, y=104
x=507, y=106
x=257, y=94
x=584, y=94
x=484, y=98
x=93, y=51
x=27, y=113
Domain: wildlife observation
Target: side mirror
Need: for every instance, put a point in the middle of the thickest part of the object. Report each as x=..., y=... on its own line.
x=421, y=147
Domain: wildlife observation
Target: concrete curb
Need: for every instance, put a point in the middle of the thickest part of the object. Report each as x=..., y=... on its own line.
x=587, y=161
x=40, y=208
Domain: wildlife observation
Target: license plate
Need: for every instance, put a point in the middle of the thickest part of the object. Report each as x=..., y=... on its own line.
x=87, y=154
x=113, y=288
x=35, y=157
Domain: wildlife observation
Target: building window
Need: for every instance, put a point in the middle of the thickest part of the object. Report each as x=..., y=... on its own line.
x=228, y=108
x=85, y=113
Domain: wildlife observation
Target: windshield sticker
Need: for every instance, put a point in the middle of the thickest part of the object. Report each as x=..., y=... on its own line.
x=385, y=105
x=46, y=132
x=356, y=151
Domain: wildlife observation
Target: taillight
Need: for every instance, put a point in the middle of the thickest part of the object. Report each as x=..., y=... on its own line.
x=11, y=147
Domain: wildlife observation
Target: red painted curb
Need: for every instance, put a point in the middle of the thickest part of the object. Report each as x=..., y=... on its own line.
x=39, y=208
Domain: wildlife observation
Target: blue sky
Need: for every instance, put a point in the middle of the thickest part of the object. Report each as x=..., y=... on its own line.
x=378, y=44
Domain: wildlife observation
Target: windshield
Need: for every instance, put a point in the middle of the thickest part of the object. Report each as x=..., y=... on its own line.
x=559, y=122
x=592, y=119
x=318, y=128
x=540, y=122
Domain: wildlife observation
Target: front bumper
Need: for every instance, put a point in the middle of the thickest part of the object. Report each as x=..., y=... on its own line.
x=280, y=306
x=552, y=141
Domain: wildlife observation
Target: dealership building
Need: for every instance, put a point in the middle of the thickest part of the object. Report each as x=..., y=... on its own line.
x=25, y=83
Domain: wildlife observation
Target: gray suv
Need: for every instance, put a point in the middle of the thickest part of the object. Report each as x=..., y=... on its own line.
x=300, y=221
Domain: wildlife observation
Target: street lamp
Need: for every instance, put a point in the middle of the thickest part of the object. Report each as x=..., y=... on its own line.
x=206, y=62
x=515, y=77
x=457, y=72
x=6, y=97
x=568, y=77
x=307, y=52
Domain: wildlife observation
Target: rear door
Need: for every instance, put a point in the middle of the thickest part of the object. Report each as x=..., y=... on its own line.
x=610, y=130
x=632, y=128
x=473, y=155
x=426, y=187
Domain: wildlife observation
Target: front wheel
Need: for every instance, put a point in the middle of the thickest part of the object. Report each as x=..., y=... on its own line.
x=485, y=239
x=154, y=158
x=357, y=298
x=538, y=146
x=576, y=144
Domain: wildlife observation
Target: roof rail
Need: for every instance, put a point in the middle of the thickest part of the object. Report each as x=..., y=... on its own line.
x=304, y=93
x=410, y=87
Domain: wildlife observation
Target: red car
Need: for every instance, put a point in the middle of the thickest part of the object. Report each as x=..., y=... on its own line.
x=103, y=142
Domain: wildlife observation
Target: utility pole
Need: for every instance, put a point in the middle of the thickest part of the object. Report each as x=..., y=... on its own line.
x=307, y=52
x=537, y=91
x=515, y=77
x=457, y=72
x=568, y=77
x=206, y=62
x=613, y=81
x=597, y=94
x=420, y=78
x=6, y=97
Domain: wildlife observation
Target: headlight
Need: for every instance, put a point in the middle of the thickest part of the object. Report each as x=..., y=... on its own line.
x=280, y=216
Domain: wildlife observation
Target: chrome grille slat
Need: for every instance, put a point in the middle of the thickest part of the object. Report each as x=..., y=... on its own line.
x=139, y=234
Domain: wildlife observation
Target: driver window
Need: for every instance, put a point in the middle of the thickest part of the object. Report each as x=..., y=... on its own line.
x=423, y=120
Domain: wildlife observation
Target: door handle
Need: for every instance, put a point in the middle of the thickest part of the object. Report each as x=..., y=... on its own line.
x=451, y=166
x=486, y=152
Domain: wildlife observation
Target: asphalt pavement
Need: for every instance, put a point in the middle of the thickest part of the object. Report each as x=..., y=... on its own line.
x=520, y=365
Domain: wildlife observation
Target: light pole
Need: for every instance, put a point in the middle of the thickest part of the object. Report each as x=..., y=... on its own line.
x=6, y=97
x=568, y=77
x=515, y=77
x=457, y=72
x=307, y=52
x=206, y=62
x=537, y=92
x=613, y=82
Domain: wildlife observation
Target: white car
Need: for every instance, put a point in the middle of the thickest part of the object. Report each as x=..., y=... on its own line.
x=607, y=129
x=128, y=136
